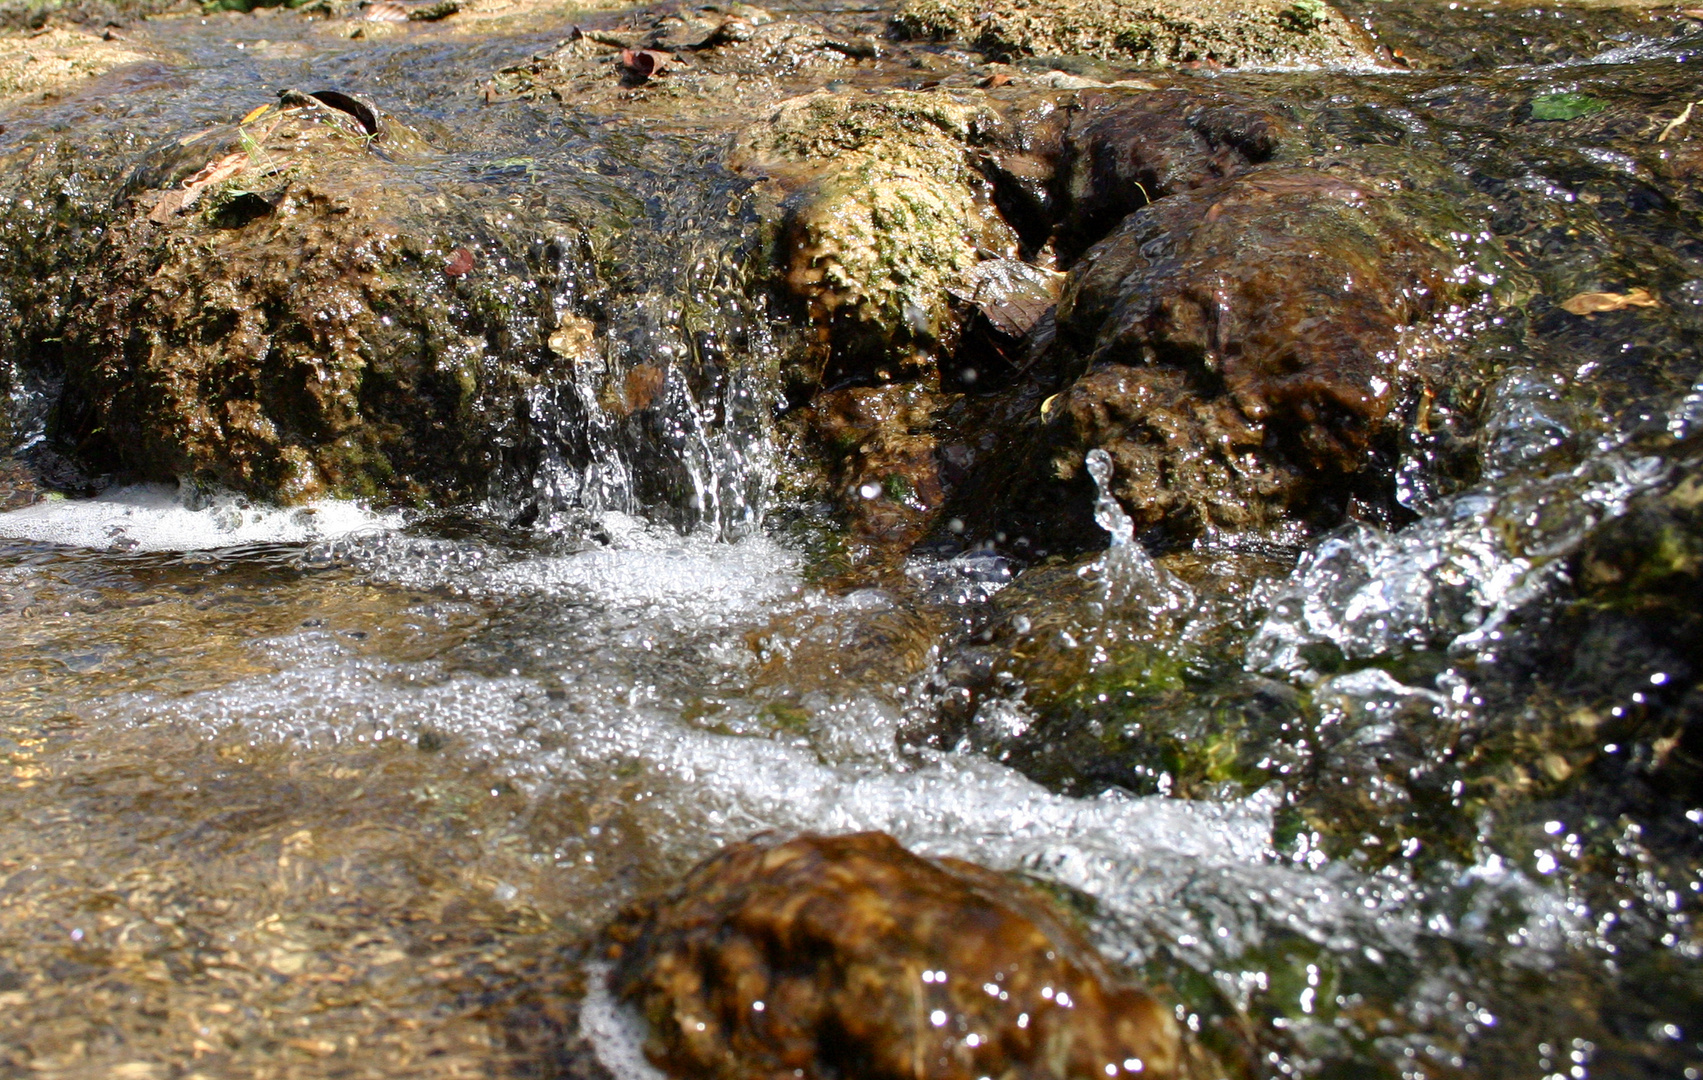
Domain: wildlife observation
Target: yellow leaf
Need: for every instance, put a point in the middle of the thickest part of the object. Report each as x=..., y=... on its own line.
x=1590, y=303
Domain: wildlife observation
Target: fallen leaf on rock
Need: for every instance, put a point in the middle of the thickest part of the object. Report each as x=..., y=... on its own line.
x=213, y=172
x=1590, y=303
x=168, y=206
x=460, y=261
x=1013, y=294
x=641, y=64
x=997, y=79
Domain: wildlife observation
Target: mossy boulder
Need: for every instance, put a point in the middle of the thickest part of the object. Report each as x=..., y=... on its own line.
x=1227, y=33
x=880, y=216
x=279, y=308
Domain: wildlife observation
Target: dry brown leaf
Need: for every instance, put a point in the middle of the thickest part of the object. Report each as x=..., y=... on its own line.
x=641, y=64
x=214, y=172
x=1591, y=303
x=644, y=386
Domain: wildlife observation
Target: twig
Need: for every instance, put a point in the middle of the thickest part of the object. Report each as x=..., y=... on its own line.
x=1676, y=122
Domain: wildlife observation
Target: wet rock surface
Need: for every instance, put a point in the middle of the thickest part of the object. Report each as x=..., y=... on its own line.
x=269, y=323
x=849, y=956
x=1151, y=34
x=55, y=59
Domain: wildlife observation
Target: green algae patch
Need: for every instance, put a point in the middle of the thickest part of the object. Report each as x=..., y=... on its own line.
x=1566, y=106
x=880, y=217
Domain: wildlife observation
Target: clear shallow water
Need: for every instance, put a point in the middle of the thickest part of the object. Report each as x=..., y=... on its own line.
x=362, y=765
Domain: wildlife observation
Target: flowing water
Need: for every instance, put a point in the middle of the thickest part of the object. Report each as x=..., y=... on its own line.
x=330, y=791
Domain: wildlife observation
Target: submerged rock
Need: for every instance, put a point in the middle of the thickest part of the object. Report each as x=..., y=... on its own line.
x=55, y=59
x=1265, y=33
x=1626, y=658
x=849, y=957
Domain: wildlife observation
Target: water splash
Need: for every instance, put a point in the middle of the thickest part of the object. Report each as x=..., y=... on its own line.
x=1130, y=578
x=1452, y=579
x=156, y=517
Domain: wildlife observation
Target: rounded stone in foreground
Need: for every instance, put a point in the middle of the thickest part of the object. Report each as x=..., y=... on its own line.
x=849, y=957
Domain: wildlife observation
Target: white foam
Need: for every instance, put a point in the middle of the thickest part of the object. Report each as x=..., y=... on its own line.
x=155, y=517
x=693, y=572
x=1167, y=873
x=615, y=1033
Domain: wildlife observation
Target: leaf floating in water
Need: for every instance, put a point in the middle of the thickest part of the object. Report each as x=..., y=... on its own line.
x=1590, y=303
x=1569, y=106
x=460, y=261
x=641, y=64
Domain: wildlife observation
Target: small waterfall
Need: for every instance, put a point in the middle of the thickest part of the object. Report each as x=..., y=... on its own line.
x=659, y=398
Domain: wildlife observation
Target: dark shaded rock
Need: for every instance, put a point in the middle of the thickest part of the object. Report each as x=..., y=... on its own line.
x=1123, y=151
x=1631, y=644
x=1245, y=351
x=849, y=957
x=882, y=440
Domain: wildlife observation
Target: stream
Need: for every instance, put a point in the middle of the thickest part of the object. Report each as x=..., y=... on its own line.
x=349, y=787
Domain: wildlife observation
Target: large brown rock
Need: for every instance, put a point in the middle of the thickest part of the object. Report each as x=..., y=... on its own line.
x=848, y=957
x=282, y=307
x=1247, y=347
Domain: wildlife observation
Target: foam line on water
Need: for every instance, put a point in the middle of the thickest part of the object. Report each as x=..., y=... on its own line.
x=157, y=517
x=1163, y=870
x=616, y=1033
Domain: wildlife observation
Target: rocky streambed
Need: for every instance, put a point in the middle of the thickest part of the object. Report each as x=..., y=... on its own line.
x=851, y=540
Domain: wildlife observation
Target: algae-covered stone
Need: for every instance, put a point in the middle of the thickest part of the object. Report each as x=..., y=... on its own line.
x=271, y=312
x=1231, y=33
x=883, y=217
x=849, y=957
x=55, y=59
